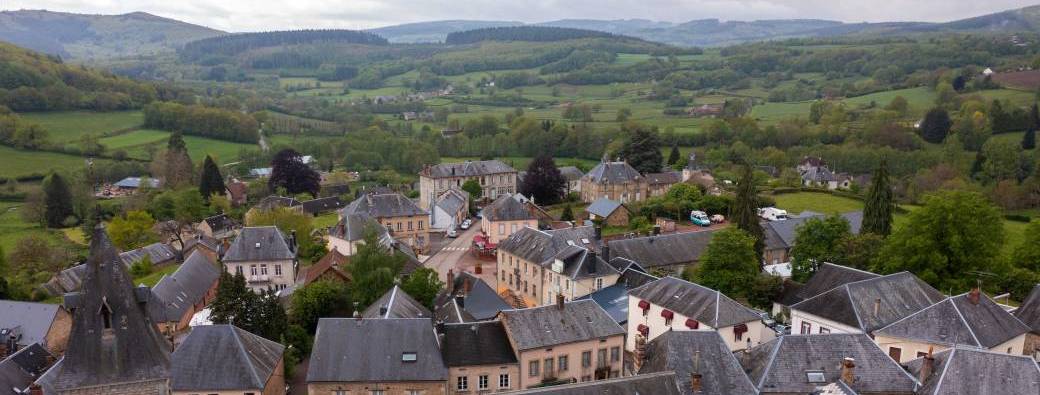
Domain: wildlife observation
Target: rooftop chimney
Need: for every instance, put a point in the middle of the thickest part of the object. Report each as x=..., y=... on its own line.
x=657, y=230
x=466, y=286
x=974, y=295
x=559, y=301
x=927, y=366
x=440, y=326
x=591, y=267
x=695, y=377
x=461, y=301
x=599, y=232
x=848, y=373
x=451, y=280
x=877, y=306
x=606, y=252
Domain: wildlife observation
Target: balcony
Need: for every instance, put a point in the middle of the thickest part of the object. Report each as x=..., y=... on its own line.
x=259, y=278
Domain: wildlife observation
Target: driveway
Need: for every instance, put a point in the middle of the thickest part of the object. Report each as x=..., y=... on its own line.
x=459, y=256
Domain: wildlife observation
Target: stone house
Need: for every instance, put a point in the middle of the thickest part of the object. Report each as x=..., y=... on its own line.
x=701, y=360
x=467, y=298
x=826, y=277
x=23, y=324
x=495, y=178
x=672, y=304
x=479, y=357
x=573, y=176
x=396, y=356
x=264, y=256
x=406, y=222
x=615, y=181
x=505, y=216
x=659, y=183
x=538, y=265
x=331, y=267
x=611, y=212
x=218, y=226
x=982, y=372
x=226, y=360
x=451, y=208
x=187, y=291
x=564, y=342
x=1029, y=313
x=663, y=253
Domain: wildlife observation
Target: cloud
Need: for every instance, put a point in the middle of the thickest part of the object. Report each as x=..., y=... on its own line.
x=260, y=15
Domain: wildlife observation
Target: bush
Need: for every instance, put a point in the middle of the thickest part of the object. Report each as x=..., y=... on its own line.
x=142, y=268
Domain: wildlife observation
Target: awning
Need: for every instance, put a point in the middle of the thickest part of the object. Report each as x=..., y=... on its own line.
x=692, y=323
x=645, y=330
x=644, y=305
x=667, y=314
x=740, y=328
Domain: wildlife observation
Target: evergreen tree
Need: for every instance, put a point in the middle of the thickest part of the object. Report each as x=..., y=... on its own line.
x=642, y=150
x=877, y=214
x=233, y=300
x=567, y=214
x=674, y=156
x=543, y=181
x=288, y=171
x=1034, y=117
x=936, y=126
x=744, y=212
x=174, y=166
x=1029, y=140
x=211, y=182
x=58, y=205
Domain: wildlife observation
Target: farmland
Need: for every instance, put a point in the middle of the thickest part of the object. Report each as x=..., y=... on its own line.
x=22, y=163
x=69, y=126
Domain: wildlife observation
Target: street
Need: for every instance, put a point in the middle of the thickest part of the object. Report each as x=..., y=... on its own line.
x=458, y=256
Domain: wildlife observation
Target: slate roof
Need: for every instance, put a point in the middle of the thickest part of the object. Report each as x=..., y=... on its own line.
x=603, y=207
x=263, y=243
x=548, y=326
x=853, y=304
x=704, y=352
x=158, y=253
x=507, y=208
x=571, y=173
x=135, y=351
x=480, y=303
x=581, y=263
x=663, y=383
x=956, y=320
x=352, y=227
x=780, y=365
x=274, y=201
x=1029, y=311
x=476, y=343
x=782, y=234
x=223, y=358
x=701, y=303
x=332, y=261
x=397, y=304
x=539, y=246
x=31, y=320
x=384, y=206
x=187, y=286
x=452, y=200
x=963, y=371
x=613, y=300
x=467, y=169
x=827, y=277
x=666, y=178
x=353, y=350
x=654, y=251
x=613, y=173
x=220, y=223
x=322, y=205
x=19, y=370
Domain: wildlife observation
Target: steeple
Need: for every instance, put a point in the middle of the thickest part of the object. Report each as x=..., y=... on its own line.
x=113, y=343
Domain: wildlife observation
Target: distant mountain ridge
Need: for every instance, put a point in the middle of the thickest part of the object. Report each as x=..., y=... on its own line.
x=82, y=36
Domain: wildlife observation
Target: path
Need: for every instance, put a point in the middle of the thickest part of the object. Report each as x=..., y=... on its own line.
x=457, y=256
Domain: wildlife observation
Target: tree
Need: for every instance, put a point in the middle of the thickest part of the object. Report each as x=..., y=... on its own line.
x=58, y=205
x=288, y=221
x=936, y=125
x=173, y=166
x=133, y=230
x=269, y=319
x=674, y=157
x=472, y=187
x=623, y=114
x=543, y=181
x=1027, y=254
x=423, y=285
x=860, y=251
x=320, y=299
x=877, y=213
x=233, y=299
x=1029, y=139
x=211, y=182
x=288, y=171
x=642, y=150
x=1002, y=160
x=373, y=270
x=899, y=105
x=568, y=213
x=817, y=241
x=729, y=263
x=744, y=212
x=953, y=234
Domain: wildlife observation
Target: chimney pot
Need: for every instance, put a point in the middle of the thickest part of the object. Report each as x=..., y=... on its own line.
x=848, y=373
x=559, y=301
x=877, y=306
x=974, y=295
x=695, y=382
x=461, y=301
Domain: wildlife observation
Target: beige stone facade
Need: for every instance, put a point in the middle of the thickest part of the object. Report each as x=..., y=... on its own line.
x=539, y=285
x=590, y=360
x=483, y=379
x=501, y=230
x=368, y=388
x=495, y=178
x=411, y=230
x=261, y=275
x=756, y=332
x=58, y=335
x=627, y=192
x=148, y=387
x=906, y=350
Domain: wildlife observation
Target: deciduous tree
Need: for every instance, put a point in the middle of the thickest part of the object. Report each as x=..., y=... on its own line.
x=423, y=285
x=729, y=263
x=373, y=270
x=288, y=171
x=543, y=181
x=134, y=230
x=320, y=299
x=817, y=241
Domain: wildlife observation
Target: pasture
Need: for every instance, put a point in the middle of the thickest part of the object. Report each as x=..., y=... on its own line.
x=68, y=126
x=21, y=163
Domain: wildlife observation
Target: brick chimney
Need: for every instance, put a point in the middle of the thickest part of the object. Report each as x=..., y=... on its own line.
x=640, y=353
x=974, y=295
x=848, y=370
x=877, y=306
x=599, y=232
x=695, y=376
x=466, y=286
x=927, y=366
x=559, y=301
x=606, y=252
x=451, y=280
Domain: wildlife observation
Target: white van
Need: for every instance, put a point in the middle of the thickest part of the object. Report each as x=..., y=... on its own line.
x=773, y=214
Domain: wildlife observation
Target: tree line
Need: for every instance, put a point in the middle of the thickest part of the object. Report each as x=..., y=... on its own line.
x=203, y=121
x=524, y=33
x=232, y=44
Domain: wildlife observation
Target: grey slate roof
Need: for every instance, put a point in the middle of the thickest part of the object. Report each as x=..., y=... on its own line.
x=187, y=286
x=654, y=251
x=352, y=227
x=467, y=169
x=452, y=200
x=220, y=223
x=507, y=208
x=571, y=173
x=782, y=234
x=1029, y=311
x=852, y=304
x=827, y=277
x=603, y=207
x=548, y=326
x=273, y=246
x=539, y=246
x=135, y=351
x=158, y=253
x=956, y=320
x=476, y=343
x=274, y=201
x=780, y=365
x=666, y=178
x=396, y=303
x=613, y=173
x=480, y=303
x=31, y=320
x=701, y=303
x=353, y=350
x=384, y=205
x=223, y=358
x=704, y=352
x=663, y=383
x=19, y=370
x=964, y=371
x=581, y=263
x=322, y=205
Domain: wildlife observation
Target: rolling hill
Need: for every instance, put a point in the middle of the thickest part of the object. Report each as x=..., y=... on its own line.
x=433, y=32
x=85, y=37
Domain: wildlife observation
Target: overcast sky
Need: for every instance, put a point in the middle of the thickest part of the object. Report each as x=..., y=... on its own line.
x=254, y=15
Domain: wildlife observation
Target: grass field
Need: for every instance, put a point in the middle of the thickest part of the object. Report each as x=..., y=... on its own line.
x=13, y=228
x=68, y=126
x=18, y=163
x=136, y=145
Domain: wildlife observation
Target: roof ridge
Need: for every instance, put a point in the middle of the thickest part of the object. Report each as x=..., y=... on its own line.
x=946, y=366
x=390, y=303
x=911, y=315
x=965, y=322
x=853, y=269
x=718, y=296
x=769, y=363
x=249, y=360
x=855, y=311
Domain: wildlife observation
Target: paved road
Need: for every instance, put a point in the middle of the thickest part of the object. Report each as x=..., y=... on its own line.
x=457, y=256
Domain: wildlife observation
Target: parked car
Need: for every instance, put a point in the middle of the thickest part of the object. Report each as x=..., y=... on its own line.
x=699, y=218
x=466, y=224
x=782, y=330
x=717, y=219
x=452, y=233
x=773, y=214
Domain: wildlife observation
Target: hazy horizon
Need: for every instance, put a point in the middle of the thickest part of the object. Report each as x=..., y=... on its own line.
x=243, y=15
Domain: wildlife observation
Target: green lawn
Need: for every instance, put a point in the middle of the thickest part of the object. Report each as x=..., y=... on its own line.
x=157, y=274
x=13, y=228
x=326, y=220
x=17, y=163
x=136, y=144
x=68, y=126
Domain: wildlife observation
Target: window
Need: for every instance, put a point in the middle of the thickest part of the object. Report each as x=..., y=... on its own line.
x=408, y=357
x=503, y=275
x=895, y=353
x=815, y=376
x=561, y=364
x=420, y=224
x=599, y=284
x=501, y=229
x=586, y=359
x=263, y=269
x=482, y=382
x=252, y=270
x=278, y=270
x=534, y=290
x=340, y=392
x=503, y=381
x=806, y=328
x=615, y=354
x=399, y=226
x=824, y=330
x=377, y=392
x=410, y=225
x=601, y=357
x=238, y=270
x=548, y=367
x=532, y=368
x=415, y=392
x=462, y=383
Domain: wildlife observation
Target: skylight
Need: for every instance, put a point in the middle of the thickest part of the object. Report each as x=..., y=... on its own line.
x=408, y=357
x=815, y=376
